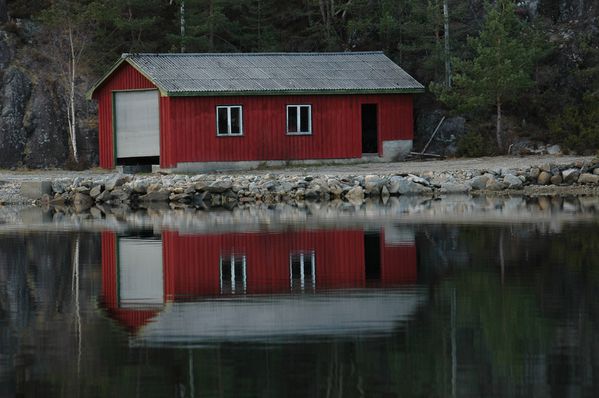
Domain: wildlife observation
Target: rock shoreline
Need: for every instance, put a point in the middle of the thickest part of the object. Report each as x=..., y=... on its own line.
x=215, y=190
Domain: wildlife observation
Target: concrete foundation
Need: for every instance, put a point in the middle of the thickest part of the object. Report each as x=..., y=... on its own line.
x=392, y=151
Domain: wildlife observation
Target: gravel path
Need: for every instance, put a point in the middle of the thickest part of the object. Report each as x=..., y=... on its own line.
x=422, y=166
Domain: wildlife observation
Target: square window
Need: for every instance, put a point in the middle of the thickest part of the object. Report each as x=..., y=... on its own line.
x=233, y=276
x=299, y=119
x=302, y=270
x=229, y=120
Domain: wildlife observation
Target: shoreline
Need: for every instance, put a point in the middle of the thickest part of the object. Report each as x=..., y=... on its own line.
x=501, y=176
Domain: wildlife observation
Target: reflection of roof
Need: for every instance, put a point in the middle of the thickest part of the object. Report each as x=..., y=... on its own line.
x=260, y=318
x=132, y=319
x=271, y=73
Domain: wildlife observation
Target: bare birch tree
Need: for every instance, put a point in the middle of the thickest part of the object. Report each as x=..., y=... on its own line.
x=70, y=24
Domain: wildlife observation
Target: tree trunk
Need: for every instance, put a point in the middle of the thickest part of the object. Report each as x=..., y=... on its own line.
x=3, y=11
x=211, y=25
x=446, y=35
x=71, y=113
x=182, y=11
x=498, y=130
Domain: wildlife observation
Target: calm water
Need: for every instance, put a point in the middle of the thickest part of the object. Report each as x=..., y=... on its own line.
x=373, y=308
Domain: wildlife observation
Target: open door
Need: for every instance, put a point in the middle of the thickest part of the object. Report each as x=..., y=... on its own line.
x=370, y=128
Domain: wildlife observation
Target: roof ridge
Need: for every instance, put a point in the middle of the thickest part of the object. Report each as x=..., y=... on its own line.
x=126, y=55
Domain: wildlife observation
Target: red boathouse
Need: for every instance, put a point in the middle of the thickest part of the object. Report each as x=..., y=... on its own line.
x=141, y=274
x=214, y=111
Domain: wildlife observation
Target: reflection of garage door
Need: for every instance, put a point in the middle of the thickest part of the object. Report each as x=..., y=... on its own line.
x=137, y=124
x=140, y=273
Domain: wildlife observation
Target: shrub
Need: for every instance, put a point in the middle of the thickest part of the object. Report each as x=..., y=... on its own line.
x=472, y=145
x=577, y=128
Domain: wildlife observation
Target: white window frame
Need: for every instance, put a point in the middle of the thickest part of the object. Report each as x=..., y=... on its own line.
x=228, y=132
x=233, y=259
x=299, y=120
x=303, y=256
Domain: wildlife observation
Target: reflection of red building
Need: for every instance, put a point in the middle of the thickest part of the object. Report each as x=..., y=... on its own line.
x=140, y=275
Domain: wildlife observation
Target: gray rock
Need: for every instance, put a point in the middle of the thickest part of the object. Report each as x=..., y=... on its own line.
x=454, y=188
x=103, y=197
x=373, y=184
x=480, y=182
x=355, y=194
x=512, y=181
x=544, y=178
x=116, y=181
x=61, y=185
x=534, y=172
x=570, y=176
x=393, y=184
x=385, y=192
x=156, y=196
x=219, y=186
x=82, y=200
x=407, y=187
x=596, y=171
x=588, y=178
x=554, y=150
x=141, y=186
x=48, y=143
x=15, y=92
x=556, y=179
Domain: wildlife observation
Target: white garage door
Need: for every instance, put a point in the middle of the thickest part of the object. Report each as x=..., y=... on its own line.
x=137, y=124
x=141, y=278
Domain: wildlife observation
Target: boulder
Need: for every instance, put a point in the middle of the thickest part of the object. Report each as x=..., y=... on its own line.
x=570, y=176
x=373, y=184
x=556, y=179
x=454, y=188
x=116, y=181
x=407, y=187
x=156, y=196
x=479, y=182
x=554, y=150
x=588, y=178
x=393, y=184
x=544, y=178
x=220, y=186
x=82, y=200
x=533, y=173
x=512, y=181
x=355, y=194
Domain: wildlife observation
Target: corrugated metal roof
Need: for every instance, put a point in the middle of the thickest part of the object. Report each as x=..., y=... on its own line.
x=271, y=73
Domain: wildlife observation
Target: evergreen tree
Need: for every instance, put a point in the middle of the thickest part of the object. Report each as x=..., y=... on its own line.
x=504, y=56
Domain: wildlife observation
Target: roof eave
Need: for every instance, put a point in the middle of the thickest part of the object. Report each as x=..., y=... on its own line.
x=412, y=90
x=90, y=93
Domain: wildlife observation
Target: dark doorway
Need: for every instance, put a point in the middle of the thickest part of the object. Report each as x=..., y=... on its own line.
x=372, y=255
x=369, y=128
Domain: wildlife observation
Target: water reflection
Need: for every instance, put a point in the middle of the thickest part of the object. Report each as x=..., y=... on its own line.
x=377, y=307
x=186, y=289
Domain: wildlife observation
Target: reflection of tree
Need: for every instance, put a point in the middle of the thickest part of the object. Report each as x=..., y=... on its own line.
x=477, y=335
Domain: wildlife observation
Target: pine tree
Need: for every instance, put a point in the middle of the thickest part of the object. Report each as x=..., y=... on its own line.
x=500, y=69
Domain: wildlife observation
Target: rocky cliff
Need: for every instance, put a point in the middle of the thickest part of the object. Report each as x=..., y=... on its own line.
x=33, y=123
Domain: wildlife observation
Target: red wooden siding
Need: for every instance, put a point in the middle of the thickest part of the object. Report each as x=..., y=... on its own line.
x=192, y=262
x=188, y=125
x=124, y=78
x=336, y=128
